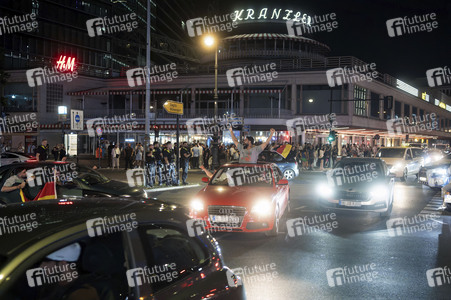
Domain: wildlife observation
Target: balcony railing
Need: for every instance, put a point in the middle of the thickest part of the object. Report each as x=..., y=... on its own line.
x=198, y=113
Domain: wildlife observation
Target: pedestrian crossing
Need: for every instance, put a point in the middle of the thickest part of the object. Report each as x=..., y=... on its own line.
x=434, y=206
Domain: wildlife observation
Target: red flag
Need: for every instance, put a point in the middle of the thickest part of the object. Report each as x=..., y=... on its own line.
x=47, y=192
x=284, y=150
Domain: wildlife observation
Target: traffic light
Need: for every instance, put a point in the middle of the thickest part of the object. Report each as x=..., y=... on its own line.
x=332, y=136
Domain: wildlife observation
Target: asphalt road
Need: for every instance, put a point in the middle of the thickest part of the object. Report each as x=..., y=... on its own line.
x=348, y=255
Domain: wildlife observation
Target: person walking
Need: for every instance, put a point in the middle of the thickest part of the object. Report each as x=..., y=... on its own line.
x=195, y=153
x=110, y=157
x=248, y=152
x=185, y=155
x=128, y=156
x=150, y=166
x=41, y=151
x=139, y=155
x=158, y=154
x=321, y=158
x=168, y=157
x=115, y=154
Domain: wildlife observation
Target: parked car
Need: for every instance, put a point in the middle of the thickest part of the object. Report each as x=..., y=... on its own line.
x=437, y=173
x=358, y=184
x=402, y=161
x=118, y=249
x=14, y=157
x=243, y=198
x=85, y=183
x=288, y=166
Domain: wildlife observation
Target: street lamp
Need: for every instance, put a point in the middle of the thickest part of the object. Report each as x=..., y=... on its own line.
x=210, y=41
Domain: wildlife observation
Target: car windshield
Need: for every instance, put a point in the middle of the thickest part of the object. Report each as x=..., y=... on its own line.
x=91, y=177
x=391, y=152
x=356, y=172
x=243, y=176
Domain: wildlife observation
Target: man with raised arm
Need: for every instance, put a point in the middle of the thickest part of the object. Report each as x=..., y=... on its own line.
x=248, y=152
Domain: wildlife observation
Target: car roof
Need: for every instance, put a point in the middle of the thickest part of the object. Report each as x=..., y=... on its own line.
x=53, y=217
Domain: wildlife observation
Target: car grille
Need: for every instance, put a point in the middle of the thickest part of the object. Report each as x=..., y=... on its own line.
x=345, y=195
x=219, y=210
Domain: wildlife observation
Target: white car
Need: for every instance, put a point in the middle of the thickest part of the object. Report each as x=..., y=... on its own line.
x=13, y=157
x=402, y=161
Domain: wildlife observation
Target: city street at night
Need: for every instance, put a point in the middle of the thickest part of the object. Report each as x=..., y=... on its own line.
x=225, y=150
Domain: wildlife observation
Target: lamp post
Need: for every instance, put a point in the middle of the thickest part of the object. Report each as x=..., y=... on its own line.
x=210, y=41
x=62, y=116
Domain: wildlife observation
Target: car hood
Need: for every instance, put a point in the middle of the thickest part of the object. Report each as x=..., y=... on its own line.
x=235, y=196
x=116, y=188
x=437, y=164
x=392, y=160
x=361, y=187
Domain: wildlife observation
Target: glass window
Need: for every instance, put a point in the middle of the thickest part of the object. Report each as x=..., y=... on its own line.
x=360, y=106
x=375, y=105
x=406, y=110
x=167, y=251
x=397, y=109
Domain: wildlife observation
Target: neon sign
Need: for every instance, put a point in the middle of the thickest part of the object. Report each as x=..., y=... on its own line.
x=65, y=64
x=275, y=14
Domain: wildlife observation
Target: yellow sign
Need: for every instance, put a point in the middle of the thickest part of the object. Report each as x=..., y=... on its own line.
x=173, y=107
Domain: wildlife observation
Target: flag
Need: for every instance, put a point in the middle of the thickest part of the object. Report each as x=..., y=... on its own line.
x=47, y=192
x=284, y=150
x=22, y=196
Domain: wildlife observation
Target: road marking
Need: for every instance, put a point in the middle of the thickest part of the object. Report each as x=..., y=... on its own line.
x=171, y=188
x=434, y=206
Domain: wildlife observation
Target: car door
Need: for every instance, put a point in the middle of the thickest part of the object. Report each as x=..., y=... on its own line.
x=417, y=158
x=168, y=264
x=89, y=265
x=281, y=190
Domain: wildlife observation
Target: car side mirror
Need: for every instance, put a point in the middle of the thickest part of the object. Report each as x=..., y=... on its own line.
x=282, y=182
x=205, y=179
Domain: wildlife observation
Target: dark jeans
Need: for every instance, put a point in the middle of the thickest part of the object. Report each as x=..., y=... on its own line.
x=185, y=167
x=128, y=163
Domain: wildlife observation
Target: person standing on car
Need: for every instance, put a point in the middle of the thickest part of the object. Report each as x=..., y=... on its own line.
x=41, y=151
x=128, y=156
x=248, y=152
x=150, y=166
x=168, y=157
x=185, y=155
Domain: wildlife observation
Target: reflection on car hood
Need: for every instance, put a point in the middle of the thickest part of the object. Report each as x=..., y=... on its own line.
x=392, y=160
x=238, y=196
x=116, y=188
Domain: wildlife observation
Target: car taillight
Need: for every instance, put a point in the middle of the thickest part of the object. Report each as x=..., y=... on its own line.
x=31, y=160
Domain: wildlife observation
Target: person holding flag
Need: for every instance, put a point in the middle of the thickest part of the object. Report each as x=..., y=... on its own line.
x=248, y=152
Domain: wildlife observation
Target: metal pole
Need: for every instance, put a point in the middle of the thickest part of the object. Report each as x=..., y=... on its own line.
x=177, y=150
x=215, y=146
x=147, y=107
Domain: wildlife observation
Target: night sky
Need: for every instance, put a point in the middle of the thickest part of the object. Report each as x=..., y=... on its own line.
x=362, y=31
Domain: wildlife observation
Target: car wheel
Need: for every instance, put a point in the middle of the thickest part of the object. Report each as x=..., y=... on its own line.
x=404, y=175
x=275, y=227
x=288, y=174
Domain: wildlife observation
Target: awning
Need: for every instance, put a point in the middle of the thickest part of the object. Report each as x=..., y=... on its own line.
x=104, y=92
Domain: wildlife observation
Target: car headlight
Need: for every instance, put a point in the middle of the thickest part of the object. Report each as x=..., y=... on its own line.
x=379, y=192
x=197, y=204
x=262, y=207
x=324, y=190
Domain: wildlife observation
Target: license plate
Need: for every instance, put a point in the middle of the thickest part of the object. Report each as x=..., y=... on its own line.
x=225, y=219
x=447, y=198
x=423, y=179
x=350, y=203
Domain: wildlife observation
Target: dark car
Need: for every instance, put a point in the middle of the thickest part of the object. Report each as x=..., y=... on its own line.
x=358, y=184
x=112, y=248
x=73, y=180
x=288, y=166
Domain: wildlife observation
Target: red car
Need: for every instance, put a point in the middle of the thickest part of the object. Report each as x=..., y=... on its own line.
x=243, y=198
